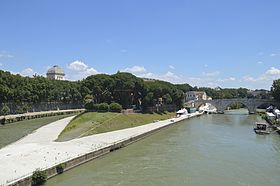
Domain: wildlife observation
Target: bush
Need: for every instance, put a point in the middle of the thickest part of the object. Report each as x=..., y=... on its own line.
x=39, y=177
x=89, y=106
x=5, y=110
x=60, y=168
x=115, y=107
x=103, y=107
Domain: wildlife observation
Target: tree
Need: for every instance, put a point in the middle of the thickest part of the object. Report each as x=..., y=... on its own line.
x=275, y=89
x=128, y=89
x=167, y=99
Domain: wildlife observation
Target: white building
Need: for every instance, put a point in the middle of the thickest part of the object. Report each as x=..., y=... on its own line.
x=276, y=112
x=56, y=73
x=195, y=95
x=270, y=116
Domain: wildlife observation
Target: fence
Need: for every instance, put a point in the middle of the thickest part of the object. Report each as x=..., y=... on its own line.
x=162, y=108
x=18, y=108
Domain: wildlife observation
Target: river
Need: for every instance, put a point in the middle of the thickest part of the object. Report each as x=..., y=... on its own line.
x=209, y=150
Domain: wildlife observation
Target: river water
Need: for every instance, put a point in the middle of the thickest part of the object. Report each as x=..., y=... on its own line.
x=218, y=150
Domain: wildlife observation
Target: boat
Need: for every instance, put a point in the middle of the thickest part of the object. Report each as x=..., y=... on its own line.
x=261, y=128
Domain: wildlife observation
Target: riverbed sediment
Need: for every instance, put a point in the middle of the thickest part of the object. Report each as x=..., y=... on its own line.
x=39, y=150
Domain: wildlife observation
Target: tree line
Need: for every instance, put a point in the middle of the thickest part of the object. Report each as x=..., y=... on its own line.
x=275, y=90
x=123, y=88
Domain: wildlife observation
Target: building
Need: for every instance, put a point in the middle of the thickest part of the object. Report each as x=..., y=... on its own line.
x=56, y=72
x=261, y=94
x=195, y=95
x=149, y=79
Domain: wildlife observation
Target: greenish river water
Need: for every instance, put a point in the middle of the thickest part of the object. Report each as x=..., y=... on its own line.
x=218, y=150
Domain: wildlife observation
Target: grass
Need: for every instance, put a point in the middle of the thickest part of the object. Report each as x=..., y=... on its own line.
x=90, y=123
x=12, y=132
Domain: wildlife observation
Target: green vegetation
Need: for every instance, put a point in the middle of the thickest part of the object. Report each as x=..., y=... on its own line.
x=236, y=105
x=18, y=89
x=275, y=89
x=226, y=93
x=60, y=168
x=39, y=177
x=5, y=110
x=115, y=107
x=14, y=131
x=123, y=88
x=95, y=122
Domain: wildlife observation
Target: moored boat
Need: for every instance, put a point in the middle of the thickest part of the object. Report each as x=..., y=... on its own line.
x=261, y=128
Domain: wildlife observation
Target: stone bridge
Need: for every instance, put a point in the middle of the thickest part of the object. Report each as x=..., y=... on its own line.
x=222, y=104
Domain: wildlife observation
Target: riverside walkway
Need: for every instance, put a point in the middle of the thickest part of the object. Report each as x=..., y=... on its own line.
x=39, y=150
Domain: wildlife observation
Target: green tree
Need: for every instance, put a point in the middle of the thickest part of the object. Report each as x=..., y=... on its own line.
x=275, y=90
x=167, y=99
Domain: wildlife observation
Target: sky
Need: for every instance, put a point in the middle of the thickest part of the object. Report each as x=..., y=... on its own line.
x=226, y=43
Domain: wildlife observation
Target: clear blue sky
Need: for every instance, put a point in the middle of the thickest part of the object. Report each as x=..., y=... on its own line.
x=228, y=43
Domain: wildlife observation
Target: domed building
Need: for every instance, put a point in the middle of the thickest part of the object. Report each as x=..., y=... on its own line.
x=56, y=73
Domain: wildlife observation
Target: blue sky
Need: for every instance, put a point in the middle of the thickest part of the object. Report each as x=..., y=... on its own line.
x=227, y=43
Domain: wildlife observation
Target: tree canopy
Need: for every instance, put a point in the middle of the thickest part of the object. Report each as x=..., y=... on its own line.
x=275, y=89
x=123, y=88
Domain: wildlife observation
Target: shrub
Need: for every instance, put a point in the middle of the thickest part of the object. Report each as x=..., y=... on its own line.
x=103, y=107
x=25, y=108
x=89, y=106
x=39, y=177
x=95, y=107
x=5, y=110
x=115, y=107
x=19, y=110
x=60, y=168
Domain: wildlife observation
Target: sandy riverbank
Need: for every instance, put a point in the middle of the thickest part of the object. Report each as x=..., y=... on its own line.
x=38, y=150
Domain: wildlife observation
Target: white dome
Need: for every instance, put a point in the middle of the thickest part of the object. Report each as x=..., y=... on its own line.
x=55, y=70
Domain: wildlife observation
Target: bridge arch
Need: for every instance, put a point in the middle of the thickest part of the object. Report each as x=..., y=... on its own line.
x=222, y=104
x=244, y=103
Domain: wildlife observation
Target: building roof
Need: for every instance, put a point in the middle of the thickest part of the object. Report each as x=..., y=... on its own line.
x=195, y=92
x=55, y=70
x=276, y=111
x=270, y=114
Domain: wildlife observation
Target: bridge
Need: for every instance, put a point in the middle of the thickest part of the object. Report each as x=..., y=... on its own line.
x=222, y=104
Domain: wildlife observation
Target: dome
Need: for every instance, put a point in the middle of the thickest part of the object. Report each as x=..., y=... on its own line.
x=56, y=70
